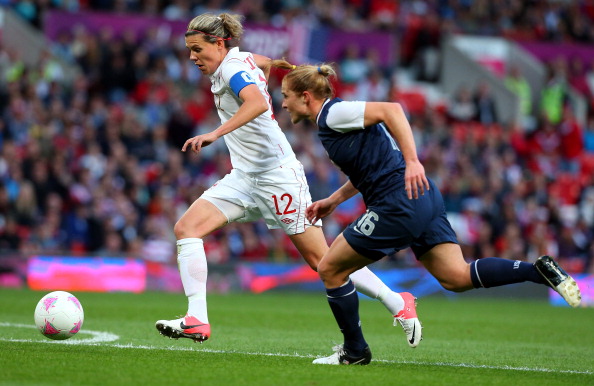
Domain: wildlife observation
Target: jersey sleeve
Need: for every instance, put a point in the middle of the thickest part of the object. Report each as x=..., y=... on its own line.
x=237, y=75
x=346, y=116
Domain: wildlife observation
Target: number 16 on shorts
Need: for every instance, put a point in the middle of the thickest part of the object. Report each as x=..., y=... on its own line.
x=366, y=224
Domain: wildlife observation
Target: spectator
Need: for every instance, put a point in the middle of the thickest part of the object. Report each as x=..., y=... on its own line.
x=485, y=105
x=554, y=93
x=373, y=87
x=572, y=141
x=518, y=84
x=352, y=66
x=461, y=107
x=10, y=240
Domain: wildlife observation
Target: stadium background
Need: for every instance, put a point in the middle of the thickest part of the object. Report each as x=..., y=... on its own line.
x=96, y=98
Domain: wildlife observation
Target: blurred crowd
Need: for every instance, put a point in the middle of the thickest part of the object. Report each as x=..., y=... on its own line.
x=94, y=166
x=552, y=20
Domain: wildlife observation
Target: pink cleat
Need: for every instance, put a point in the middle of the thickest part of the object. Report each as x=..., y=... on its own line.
x=407, y=317
x=186, y=327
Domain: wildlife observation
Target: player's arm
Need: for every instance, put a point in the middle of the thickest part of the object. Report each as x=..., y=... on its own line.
x=254, y=104
x=392, y=115
x=264, y=63
x=343, y=193
x=323, y=208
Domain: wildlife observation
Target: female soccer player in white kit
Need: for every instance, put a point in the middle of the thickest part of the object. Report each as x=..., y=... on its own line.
x=267, y=181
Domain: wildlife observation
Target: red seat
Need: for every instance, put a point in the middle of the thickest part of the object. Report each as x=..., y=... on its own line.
x=414, y=101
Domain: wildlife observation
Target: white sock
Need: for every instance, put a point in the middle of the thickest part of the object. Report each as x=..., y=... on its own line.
x=369, y=284
x=193, y=270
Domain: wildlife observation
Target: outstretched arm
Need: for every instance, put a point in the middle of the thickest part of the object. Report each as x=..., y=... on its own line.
x=393, y=116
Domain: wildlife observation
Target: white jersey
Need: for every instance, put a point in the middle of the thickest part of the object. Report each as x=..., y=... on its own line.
x=260, y=145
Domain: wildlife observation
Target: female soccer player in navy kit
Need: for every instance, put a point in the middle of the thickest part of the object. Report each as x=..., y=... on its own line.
x=267, y=181
x=372, y=143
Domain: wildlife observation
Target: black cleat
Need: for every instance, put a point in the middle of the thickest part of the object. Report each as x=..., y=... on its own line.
x=559, y=280
x=342, y=357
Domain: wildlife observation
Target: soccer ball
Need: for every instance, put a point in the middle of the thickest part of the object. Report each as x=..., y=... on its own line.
x=59, y=315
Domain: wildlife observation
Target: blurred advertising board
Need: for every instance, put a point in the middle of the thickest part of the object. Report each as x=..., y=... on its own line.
x=107, y=274
x=94, y=274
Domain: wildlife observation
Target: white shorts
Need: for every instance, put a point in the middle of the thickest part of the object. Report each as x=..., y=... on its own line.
x=280, y=196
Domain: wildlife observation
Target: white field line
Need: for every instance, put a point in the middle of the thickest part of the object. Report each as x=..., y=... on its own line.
x=102, y=338
x=96, y=336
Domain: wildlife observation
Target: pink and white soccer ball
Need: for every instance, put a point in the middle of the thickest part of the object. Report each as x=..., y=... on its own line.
x=59, y=315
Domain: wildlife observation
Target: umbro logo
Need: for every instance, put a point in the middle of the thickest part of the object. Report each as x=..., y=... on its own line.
x=287, y=220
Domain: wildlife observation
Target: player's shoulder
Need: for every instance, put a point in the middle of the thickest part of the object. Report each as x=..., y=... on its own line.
x=237, y=53
x=341, y=116
x=237, y=61
x=236, y=57
x=337, y=106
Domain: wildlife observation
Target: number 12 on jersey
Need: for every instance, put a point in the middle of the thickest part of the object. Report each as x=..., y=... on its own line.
x=282, y=199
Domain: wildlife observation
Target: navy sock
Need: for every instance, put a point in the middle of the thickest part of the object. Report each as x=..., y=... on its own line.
x=494, y=272
x=344, y=303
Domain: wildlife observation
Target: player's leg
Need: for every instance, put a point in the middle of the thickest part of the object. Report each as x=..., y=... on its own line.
x=312, y=246
x=227, y=201
x=334, y=270
x=201, y=219
x=446, y=263
x=438, y=251
x=283, y=201
x=388, y=234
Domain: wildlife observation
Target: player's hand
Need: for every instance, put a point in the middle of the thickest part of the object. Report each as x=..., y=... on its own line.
x=415, y=180
x=198, y=142
x=319, y=210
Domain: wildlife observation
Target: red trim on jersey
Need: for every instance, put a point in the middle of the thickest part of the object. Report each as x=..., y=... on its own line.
x=301, y=198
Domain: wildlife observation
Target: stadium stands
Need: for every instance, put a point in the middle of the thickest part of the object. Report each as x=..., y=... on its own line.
x=93, y=165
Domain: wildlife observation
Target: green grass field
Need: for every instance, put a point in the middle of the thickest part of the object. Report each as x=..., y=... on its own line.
x=271, y=339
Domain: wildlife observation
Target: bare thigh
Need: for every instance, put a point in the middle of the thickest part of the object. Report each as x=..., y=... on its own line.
x=311, y=244
x=446, y=263
x=339, y=262
x=201, y=219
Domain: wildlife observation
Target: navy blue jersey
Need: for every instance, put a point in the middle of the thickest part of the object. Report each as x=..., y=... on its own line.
x=375, y=166
x=369, y=157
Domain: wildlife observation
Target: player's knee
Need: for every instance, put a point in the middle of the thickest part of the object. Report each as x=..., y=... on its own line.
x=322, y=269
x=456, y=284
x=332, y=275
x=180, y=230
x=326, y=272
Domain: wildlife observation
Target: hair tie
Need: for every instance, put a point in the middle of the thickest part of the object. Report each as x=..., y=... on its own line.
x=294, y=67
x=319, y=70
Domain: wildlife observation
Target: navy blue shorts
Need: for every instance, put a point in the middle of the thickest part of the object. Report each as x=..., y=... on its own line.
x=397, y=223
